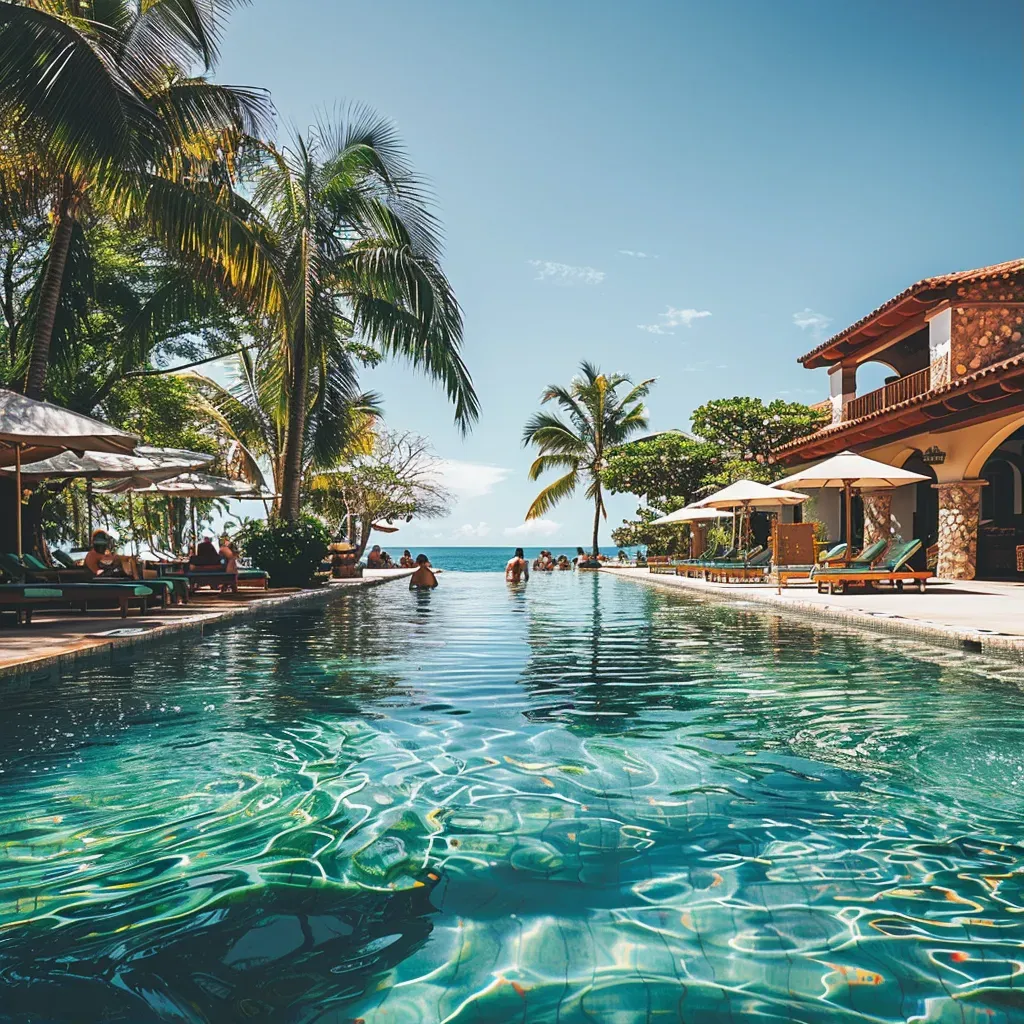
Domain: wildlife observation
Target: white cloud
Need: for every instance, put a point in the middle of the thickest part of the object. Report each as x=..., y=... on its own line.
x=673, y=317
x=469, y=479
x=564, y=273
x=638, y=255
x=815, y=322
x=467, y=531
x=533, y=528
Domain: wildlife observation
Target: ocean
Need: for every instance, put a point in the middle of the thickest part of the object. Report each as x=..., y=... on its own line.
x=472, y=559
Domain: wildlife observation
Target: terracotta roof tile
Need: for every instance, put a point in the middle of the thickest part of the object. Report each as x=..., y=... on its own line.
x=925, y=285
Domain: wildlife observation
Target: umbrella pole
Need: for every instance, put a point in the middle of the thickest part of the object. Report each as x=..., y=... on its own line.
x=848, y=498
x=131, y=525
x=88, y=505
x=17, y=500
x=195, y=535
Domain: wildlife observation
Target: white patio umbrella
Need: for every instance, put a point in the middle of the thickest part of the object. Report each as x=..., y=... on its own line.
x=748, y=494
x=31, y=430
x=849, y=470
x=689, y=514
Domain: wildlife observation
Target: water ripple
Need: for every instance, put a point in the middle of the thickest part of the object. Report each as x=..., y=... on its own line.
x=575, y=801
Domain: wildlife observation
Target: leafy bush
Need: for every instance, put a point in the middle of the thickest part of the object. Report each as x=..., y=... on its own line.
x=290, y=552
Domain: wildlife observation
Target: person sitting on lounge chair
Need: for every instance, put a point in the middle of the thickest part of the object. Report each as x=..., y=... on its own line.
x=422, y=578
x=374, y=560
x=207, y=557
x=228, y=554
x=101, y=559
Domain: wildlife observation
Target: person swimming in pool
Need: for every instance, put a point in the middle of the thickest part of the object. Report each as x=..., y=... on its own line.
x=517, y=568
x=423, y=578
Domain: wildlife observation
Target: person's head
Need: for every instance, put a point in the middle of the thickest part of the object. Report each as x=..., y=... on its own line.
x=408, y=554
x=519, y=552
x=421, y=559
x=580, y=551
x=376, y=547
x=100, y=541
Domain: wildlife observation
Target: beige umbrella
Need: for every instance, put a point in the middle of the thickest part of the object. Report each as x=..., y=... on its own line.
x=31, y=430
x=148, y=464
x=748, y=494
x=189, y=485
x=690, y=514
x=849, y=470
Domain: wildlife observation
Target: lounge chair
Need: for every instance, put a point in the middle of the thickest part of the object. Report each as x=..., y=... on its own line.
x=23, y=597
x=64, y=559
x=831, y=558
x=32, y=570
x=892, y=571
x=754, y=567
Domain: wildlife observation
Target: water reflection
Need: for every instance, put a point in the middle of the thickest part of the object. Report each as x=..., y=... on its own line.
x=576, y=800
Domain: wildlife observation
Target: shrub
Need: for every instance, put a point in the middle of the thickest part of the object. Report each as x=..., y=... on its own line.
x=290, y=552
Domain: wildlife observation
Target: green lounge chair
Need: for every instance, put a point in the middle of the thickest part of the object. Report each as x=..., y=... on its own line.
x=64, y=559
x=24, y=572
x=893, y=571
x=754, y=567
x=23, y=597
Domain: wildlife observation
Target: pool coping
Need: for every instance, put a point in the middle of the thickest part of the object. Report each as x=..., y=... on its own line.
x=97, y=646
x=1007, y=648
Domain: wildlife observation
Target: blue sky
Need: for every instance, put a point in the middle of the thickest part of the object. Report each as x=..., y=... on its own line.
x=689, y=191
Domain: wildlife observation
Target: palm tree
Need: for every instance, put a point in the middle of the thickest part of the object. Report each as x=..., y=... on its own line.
x=249, y=414
x=598, y=419
x=357, y=252
x=98, y=103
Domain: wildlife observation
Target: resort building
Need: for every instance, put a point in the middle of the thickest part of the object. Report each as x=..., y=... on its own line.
x=952, y=409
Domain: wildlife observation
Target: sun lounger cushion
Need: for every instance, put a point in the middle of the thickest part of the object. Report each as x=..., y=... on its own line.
x=42, y=592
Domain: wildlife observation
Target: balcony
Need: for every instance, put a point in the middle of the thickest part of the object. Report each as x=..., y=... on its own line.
x=901, y=390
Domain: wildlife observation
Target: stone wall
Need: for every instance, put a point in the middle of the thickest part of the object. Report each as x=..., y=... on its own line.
x=877, y=516
x=982, y=335
x=959, y=513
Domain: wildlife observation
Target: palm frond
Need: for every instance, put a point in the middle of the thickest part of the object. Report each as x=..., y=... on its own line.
x=548, y=498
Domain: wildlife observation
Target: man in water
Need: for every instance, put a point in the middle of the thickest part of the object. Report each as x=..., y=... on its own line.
x=422, y=578
x=518, y=568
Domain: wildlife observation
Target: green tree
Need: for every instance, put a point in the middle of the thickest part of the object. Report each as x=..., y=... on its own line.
x=749, y=430
x=599, y=418
x=99, y=105
x=397, y=478
x=664, y=468
x=358, y=254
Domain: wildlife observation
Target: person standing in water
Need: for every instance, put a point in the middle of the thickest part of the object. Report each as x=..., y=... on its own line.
x=422, y=578
x=518, y=568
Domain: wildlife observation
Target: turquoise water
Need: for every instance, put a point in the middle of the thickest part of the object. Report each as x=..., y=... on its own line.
x=579, y=800
x=485, y=559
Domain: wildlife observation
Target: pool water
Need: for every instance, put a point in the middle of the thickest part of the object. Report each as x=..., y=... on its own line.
x=578, y=800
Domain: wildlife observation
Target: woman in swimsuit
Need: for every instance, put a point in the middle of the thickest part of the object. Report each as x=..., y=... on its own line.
x=518, y=568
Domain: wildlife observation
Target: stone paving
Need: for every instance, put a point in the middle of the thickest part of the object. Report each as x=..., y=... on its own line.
x=57, y=637
x=974, y=615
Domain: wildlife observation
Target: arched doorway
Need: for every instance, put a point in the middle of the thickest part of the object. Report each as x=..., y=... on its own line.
x=1002, y=521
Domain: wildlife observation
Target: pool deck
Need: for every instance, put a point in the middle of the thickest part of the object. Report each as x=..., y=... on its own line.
x=56, y=638
x=973, y=615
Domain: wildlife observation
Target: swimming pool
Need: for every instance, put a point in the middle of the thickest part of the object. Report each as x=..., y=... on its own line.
x=579, y=800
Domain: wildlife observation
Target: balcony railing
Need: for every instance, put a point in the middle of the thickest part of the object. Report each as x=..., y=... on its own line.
x=911, y=386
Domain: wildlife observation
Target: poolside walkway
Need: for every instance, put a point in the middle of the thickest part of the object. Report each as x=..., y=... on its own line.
x=975, y=615
x=57, y=637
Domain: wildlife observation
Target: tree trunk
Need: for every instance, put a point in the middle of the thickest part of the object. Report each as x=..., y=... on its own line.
x=597, y=518
x=50, y=290
x=294, y=441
